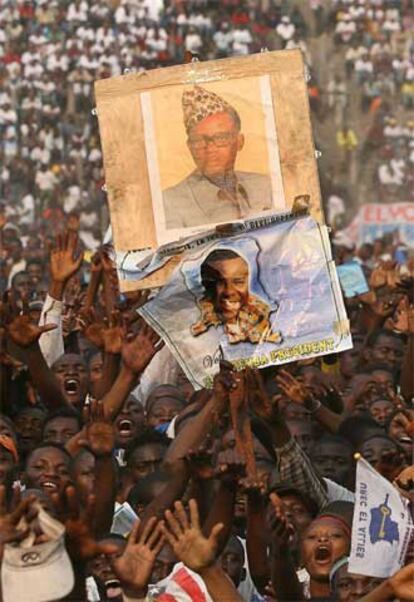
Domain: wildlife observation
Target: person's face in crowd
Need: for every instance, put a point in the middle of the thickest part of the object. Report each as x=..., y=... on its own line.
x=232, y=287
x=163, y=410
x=129, y=422
x=348, y=362
x=397, y=430
x=145, y=459
x=60, y=429
x=351, y=587
x=333, y=461
x=7, y=467
x=47, y=469
x=35, y=272
x=387, y=350
x=14, y=249
x=7, y=429
x=22, y=285
x=323, y=543
x=301, y=431
x=232, y=561
x=296, y=511
x=365, y=252
x=380, y=410
x=29, y=427
x=214, y=143
x=72, y=374
x=163, y=565
x=95, y=372
x=100, y=568
x=383, y=378
x=83, y=474
x=375, y=448
x=298, y=515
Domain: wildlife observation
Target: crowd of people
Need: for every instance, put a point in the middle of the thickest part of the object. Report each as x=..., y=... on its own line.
x=151, y=485
x=119, y=481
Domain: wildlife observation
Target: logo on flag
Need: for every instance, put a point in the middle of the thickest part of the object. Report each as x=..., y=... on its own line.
x=382, y=527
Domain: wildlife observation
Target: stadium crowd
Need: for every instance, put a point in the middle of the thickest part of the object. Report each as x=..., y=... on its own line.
x=98, y=423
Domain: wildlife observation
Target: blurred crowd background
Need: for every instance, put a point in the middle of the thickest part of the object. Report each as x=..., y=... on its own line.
x=360, y=58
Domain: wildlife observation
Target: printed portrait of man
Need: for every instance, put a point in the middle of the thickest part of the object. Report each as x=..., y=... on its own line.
x=228, y=301
x=215, y=191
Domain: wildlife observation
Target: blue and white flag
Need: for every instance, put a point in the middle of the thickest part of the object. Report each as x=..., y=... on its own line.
x=265, y=296
x=382, y=525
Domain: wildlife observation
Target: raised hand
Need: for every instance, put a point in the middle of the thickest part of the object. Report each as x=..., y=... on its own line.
x=279, y=525
x=402, y=583
x=24, y=333
x=184, y=534
x=91, y=327
x=64, y=262
x=113, y=333
x=293, y=389
x=98, y=434
x=80, y=541
x=134, y=567
x=10, y=532
x=139, y=349
x=403, y=318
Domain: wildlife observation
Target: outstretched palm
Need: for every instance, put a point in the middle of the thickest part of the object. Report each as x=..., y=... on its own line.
x=135, y=566
x=24, y=333
x=187, y=540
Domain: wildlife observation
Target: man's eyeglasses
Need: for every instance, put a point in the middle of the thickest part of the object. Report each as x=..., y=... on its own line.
x=218, y=140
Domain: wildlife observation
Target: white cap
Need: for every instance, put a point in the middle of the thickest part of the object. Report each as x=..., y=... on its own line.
x=40, y=572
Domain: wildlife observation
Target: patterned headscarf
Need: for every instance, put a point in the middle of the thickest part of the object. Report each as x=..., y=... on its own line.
x=199, y=103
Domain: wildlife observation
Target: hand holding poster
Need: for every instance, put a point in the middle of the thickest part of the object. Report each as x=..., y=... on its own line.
x=381, y=527
x=268, y=295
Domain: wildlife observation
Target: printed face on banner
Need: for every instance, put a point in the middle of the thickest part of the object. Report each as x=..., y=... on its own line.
x=212, y=154
x=227, y=300
x=264, y=297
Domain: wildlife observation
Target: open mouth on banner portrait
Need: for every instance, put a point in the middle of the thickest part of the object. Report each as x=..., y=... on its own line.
x=212, y=154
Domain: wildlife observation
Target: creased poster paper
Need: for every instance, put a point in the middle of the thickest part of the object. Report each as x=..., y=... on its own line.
x=263, y=297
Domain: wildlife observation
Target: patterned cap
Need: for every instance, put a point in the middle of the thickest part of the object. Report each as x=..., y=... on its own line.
x=199, y=103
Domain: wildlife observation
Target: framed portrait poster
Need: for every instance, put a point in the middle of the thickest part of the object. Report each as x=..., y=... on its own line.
x=190, y=147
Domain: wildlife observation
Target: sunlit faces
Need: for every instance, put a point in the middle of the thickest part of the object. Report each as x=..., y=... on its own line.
x=388, y=350
x=100, y=568
x=214, y=143
x=47, y=468
x=375, y=448
x=129, y=422
x=333, y=460
x=397, y=430
x=29, y=426
x=163, y=410
x=60, y=429
x=350, y=587
x=145, y=459
x=381, y=410
x=323, y=542
x=232, y=560
x=73, y=377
